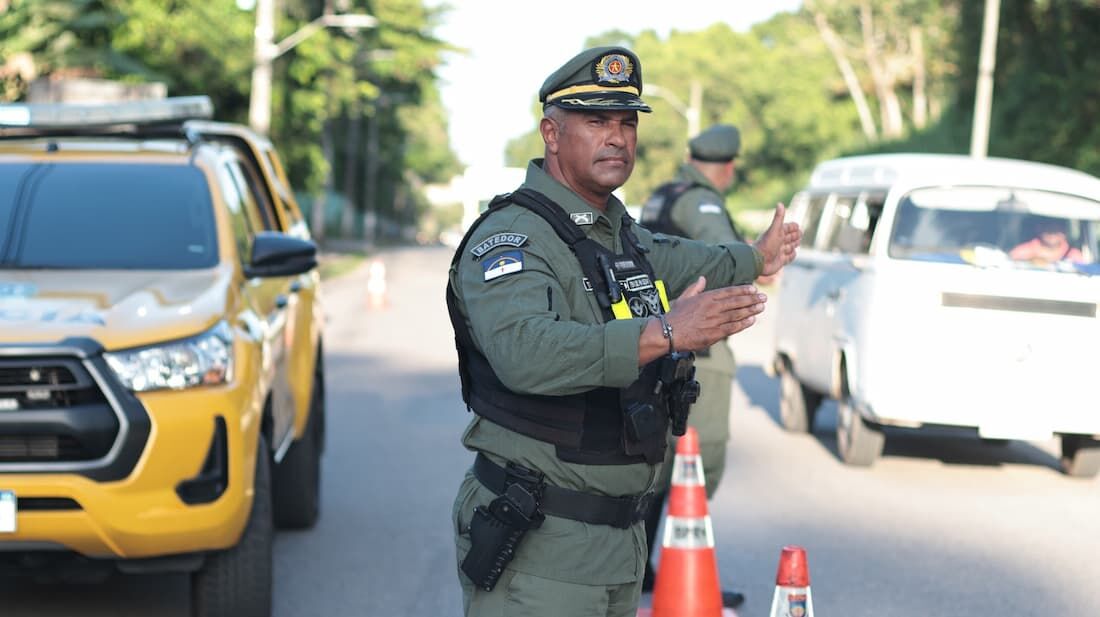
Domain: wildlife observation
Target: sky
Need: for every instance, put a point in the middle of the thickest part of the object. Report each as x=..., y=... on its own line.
x=513, y=45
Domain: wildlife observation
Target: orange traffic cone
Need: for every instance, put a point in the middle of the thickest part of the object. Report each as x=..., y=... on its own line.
x=376, y=285
x=687, y=580
x=792, y=585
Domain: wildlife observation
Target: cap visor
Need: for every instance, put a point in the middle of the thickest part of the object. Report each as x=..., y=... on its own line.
x=601, y=101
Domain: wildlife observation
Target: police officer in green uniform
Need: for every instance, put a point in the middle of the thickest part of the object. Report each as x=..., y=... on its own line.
x=574, y=366
x=692, y=205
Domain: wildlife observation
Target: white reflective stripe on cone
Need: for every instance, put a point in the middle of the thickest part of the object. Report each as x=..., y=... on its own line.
x=792, y=602
x=688, y=533
x=687, y=470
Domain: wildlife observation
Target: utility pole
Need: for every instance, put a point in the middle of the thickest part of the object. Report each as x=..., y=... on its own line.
x=265, y=51
x=983, y=99
x=692, y=112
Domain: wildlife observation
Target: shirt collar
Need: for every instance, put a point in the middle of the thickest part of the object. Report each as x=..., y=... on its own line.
x=538, y=180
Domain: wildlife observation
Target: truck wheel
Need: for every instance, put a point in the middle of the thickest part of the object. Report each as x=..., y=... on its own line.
x=298, y=475
x=797, y=403
x=858, y=441
x=1080, y=456
x=237, y=582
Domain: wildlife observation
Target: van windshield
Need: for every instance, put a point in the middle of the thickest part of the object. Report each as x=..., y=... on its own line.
x=998, y=227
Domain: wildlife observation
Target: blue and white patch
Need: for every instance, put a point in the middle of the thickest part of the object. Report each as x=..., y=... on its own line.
x=503, y=239
x=710, y=209
x=583, y=218
x=508, y=262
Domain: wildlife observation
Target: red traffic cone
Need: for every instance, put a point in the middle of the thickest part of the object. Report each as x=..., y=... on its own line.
x=687, y=579
x=376, y=285
x=792, y=585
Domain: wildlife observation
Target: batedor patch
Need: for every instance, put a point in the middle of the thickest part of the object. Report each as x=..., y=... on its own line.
x=502, y=239
x=508, y=262
x=710, y=209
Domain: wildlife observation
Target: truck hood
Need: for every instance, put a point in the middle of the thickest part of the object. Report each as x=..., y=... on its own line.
x=116, y=308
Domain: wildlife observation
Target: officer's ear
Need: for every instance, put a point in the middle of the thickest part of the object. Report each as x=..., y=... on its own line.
x=550, y=131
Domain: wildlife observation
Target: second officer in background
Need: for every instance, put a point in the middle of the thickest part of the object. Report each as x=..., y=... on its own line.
x=693, y=205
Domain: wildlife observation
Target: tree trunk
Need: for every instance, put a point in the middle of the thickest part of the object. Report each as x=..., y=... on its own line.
x=883, y=80
x=351, y=159
x=317, y=216
x=836, y=48
x=920, y=93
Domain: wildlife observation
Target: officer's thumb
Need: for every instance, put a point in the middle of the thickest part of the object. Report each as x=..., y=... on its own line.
x=695, y=288
x=780, y=214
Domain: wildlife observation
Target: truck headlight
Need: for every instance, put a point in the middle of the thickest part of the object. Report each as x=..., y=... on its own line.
x=205, y=359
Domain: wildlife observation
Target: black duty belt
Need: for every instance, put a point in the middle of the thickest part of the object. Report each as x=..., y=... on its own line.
x=621, y=512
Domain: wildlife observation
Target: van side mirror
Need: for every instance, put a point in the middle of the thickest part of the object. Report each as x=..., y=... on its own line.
x=278, y=254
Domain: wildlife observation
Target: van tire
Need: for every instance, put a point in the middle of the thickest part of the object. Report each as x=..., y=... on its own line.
x=297, y=497
x=236, y=582
x=1080, y=456
x=858, y=441
x=797, y=403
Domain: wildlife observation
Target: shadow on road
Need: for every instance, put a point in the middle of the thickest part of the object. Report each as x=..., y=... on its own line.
x=946, y=445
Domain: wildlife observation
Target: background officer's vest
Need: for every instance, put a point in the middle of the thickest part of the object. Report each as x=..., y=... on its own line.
x=657, y=211
x=591, y=427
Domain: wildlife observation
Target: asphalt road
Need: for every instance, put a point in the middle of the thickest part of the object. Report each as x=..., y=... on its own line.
x=940, y=526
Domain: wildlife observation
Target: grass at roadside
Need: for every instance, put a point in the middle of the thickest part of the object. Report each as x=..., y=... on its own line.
x=334, y=265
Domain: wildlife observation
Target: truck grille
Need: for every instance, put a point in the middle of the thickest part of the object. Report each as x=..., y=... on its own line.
x=52, y=410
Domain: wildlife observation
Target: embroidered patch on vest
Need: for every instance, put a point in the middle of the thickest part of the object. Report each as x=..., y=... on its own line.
x=508, y=262
x=503, y=239
x=710, y=209
x=582, y=218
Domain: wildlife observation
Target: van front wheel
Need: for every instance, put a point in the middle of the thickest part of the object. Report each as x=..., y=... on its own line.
x=797, y=403
x=1080, y=456
x=858, y=441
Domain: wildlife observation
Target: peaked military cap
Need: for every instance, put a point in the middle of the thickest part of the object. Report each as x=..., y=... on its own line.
x=718, y=144
x=601, y=78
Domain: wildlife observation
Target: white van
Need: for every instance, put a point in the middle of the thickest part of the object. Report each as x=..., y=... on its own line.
x=942, y=290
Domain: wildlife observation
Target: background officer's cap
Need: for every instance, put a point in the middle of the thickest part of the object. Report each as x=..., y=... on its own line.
x=718, y=144
x=601, y=78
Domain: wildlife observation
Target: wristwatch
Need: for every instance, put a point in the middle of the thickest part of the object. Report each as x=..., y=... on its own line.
x=666, y=331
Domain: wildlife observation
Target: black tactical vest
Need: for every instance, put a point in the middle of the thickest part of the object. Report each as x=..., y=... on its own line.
x=602, y=426
x=657, y=211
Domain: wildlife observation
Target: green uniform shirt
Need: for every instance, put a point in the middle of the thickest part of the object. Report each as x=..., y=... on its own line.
x=543, y=333
x=701, y=213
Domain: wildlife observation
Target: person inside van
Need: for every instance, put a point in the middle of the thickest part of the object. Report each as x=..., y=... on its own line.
x=1050, y=244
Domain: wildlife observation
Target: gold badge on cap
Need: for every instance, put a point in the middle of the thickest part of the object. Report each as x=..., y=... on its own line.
x=614, y=68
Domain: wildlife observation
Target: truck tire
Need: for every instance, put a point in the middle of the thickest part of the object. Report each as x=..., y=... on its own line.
x=797, y=403
x=236, y=582
x=859, y=442
x=298, y=476
x=1080, y=456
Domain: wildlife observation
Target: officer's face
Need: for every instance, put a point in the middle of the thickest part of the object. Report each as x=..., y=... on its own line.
x=594, y=150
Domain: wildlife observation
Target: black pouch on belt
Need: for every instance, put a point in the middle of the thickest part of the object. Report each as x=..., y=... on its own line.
x=495, y=533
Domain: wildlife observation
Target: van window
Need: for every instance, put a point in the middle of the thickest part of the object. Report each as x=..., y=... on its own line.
x=998, y=227
x=852, y=223
x=811, y=218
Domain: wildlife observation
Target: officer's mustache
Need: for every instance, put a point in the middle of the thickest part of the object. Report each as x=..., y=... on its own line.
x=614, y=153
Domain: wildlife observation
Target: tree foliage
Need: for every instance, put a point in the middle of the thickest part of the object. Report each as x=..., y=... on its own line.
x=369, y=94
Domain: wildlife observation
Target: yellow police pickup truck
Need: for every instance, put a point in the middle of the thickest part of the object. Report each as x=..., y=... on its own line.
x=161, y=374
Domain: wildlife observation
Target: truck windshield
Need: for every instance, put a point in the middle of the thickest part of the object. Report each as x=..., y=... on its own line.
x=995, y=226
x=105, y=216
